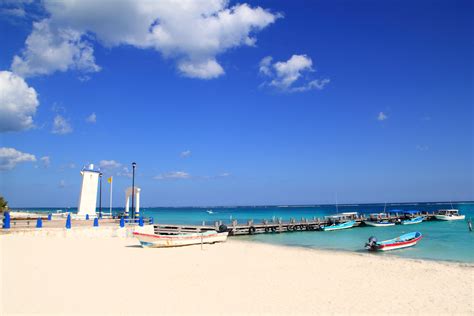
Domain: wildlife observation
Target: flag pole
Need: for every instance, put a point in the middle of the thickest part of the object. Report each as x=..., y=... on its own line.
x=111, y=187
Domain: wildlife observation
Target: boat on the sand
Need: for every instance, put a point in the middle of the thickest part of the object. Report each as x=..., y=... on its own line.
x=149, y=238
x=403, y=241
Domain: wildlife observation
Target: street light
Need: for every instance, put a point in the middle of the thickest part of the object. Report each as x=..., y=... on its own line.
x=100, y=195
x=134, y=164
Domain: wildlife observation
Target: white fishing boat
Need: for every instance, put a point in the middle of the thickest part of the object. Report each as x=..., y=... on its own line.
x=148, y=238
x=449, y=215
x=379, y=223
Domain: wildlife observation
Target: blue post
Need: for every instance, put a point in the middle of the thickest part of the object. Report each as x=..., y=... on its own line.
x=87, y=217
x=39, y=222
x=68, y=221
x=140, y=221
x=122, y=222
x=96, y=222
x=50, y=216
x=6, y=220
x=150, y=220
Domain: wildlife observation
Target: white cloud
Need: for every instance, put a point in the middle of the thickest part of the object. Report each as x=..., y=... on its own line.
x=10, y=157
x=112, y=166
x=62, y=184
x=208, y=69
x=92, y=118
x=177, y=175
x=14, y=8
x=382, y=116
x=185, y=154
x=285, y=74
x=50, y=48
x=173, y=175
x=109, y=164
x=61, y=125
x=193, y=32
x=46, y=161
x=125, y=172
x=15, y=12
x=265, y=65
x=18, y=103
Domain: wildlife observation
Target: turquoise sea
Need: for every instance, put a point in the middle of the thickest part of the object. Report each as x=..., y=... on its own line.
x=448, y=241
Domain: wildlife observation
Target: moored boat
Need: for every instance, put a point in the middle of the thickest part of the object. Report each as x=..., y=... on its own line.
x=412, y=221
x=449, y=215
x=148, y=238
x=339, y=226
x=404, y=241
x=379, y=223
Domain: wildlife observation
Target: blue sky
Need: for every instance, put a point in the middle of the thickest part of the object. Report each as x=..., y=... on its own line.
x=369, y=100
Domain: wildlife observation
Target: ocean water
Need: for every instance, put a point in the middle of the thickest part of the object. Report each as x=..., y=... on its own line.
x=447, y=241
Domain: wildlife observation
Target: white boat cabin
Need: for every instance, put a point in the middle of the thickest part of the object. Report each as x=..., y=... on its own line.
x=451, y=212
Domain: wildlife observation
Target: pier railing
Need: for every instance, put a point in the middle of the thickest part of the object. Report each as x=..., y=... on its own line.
x=49, y=221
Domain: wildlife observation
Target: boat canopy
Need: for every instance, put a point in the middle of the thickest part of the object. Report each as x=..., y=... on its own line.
x=343, y=215
x=452, y=211
x=411, y=212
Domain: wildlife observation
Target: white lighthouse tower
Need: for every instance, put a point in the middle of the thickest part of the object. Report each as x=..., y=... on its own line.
x=88, y=197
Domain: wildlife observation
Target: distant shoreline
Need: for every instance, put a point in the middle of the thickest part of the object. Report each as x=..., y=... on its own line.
x=263, y=205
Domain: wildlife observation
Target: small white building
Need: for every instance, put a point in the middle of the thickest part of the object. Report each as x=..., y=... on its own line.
x=88, y=196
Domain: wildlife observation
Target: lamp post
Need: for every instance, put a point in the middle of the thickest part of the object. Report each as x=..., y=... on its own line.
x=134, y=164
x=100, y=194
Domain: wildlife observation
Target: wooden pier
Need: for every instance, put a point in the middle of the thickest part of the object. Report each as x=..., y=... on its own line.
x=275, y=225
x=279, y=226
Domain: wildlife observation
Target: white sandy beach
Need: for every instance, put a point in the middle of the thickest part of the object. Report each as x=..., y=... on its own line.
x=57, y=275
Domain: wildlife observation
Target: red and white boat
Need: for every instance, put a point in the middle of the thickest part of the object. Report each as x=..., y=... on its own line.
x=148, y=238
x=403, y=241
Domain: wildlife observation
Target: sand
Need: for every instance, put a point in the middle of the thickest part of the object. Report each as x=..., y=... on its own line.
x=76, y=275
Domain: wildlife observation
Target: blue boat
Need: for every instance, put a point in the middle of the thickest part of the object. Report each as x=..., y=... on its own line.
x=339, y=226
x=411, y=221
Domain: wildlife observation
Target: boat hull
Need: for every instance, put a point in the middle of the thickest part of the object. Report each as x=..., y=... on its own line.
x=398, y=245
x=412, y=221
x=405, y=241
x=450, y=218
x=378, y=224
x=151, y=240
x=345, y=225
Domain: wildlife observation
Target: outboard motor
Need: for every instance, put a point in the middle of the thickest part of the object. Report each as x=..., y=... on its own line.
x=372, y=242
x=222, y=228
